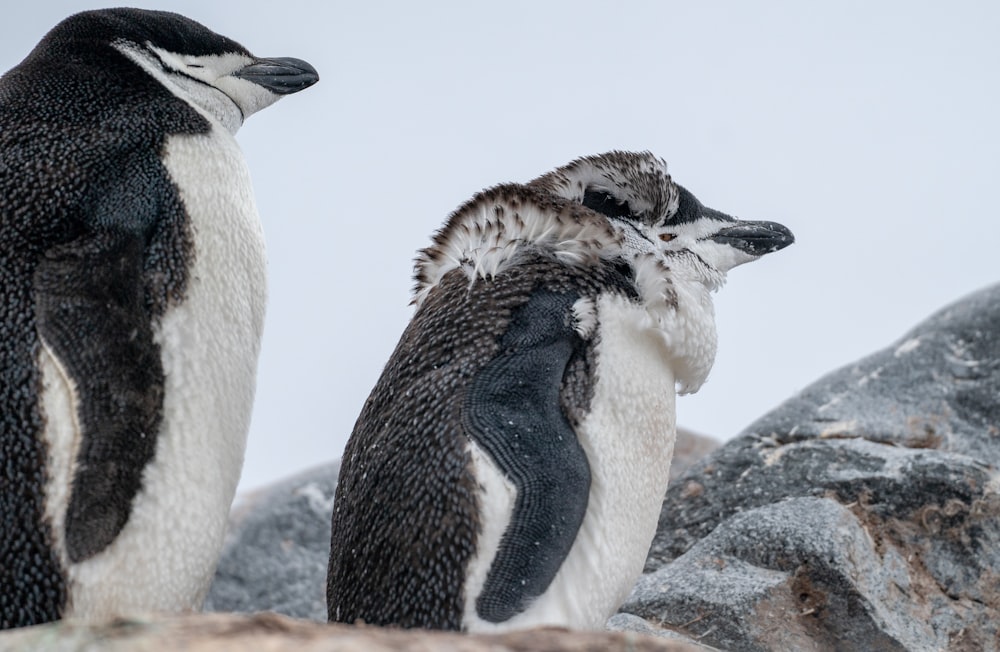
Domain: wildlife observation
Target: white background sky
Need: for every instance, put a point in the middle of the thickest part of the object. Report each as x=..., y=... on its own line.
x=869, y=128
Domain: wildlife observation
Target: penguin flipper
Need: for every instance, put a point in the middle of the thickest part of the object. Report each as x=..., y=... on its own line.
x=91, y=314
x=513, y=412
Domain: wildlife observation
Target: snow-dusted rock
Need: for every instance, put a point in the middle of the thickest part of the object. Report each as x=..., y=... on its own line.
x=862, y=514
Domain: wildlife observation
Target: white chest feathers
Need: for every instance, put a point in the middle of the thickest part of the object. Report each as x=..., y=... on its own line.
x=164, y=557
x=628, y=437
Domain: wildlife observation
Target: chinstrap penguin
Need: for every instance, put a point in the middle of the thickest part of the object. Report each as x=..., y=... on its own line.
x=508, y=468
x=132, y=272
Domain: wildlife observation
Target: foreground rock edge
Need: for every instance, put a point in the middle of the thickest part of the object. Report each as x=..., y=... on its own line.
x=267, y=632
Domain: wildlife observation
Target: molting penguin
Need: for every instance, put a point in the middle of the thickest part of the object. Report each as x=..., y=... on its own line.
x=509, y=466
x=132, y=274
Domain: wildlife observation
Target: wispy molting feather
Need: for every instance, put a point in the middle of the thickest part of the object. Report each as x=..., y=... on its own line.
x=487, y=234
x=585, y=317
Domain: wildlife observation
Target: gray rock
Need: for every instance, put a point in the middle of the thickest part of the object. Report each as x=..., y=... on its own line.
x=689, y=448
x=935, y=388
x=861, y=514
x=276, y=553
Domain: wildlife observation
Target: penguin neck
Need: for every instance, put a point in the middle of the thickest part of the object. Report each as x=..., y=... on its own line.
x=495, y=229
x=677, y=296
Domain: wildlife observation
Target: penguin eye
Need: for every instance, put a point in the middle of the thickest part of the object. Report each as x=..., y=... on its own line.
x=605, y=204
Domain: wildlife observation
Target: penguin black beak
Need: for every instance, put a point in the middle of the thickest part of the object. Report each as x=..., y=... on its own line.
x=283, y=76
x=755, y=238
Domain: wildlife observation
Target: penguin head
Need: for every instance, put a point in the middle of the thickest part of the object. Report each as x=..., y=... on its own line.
x=654, y=215
x=206, y=69
x=620, y=206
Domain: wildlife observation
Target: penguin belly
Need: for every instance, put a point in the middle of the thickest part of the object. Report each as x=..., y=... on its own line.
x=164, y=557
x=628, y=436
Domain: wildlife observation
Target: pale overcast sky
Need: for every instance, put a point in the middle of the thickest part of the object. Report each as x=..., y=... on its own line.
x=869, y=128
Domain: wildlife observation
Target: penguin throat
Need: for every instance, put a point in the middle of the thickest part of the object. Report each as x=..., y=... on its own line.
x=679, y=305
